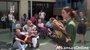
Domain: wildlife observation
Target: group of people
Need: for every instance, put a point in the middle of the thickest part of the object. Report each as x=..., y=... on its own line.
x=5, y=19
x=25, y=34
x=62, y=32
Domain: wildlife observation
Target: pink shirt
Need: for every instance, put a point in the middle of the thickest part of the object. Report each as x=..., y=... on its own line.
x=41, y=25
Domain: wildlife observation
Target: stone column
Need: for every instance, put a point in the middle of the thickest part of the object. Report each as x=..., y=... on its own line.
x=88, y=8
x=87, y=5
x=23, y=8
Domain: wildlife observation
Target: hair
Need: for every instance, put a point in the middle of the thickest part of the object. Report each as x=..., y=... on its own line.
x=24, y=14
x=18, y=30
x=81, y=12
x=29, y=21
x=69, y=10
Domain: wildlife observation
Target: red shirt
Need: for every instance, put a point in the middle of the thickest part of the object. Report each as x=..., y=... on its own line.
x=32, y=19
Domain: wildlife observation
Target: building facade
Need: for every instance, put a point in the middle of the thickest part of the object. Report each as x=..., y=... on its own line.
x=30, y=7
x=51, y=7
x=75, y=4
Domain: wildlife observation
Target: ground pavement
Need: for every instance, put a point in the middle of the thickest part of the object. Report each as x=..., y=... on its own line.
x=45, y=44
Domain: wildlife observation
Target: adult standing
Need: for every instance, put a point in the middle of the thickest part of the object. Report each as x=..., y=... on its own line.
x=24, y=19
x=10, y=17
x=81, y=30
x=3, y=19
x=70, y=25
x=42, y=15
x=36, y=18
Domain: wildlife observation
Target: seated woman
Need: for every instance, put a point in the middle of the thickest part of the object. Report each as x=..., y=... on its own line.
x=43, y=28
x=48, y=25
x=20, y=40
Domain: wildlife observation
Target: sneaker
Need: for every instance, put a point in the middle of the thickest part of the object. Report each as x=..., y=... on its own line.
x=58, y=47
x=17, y=49
x=23, y=49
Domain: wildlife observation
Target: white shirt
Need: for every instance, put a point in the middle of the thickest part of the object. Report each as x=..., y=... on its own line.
x=42, y=15
x=11, y=17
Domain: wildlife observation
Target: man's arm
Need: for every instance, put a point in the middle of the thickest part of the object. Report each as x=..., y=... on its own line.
x=17, y=39
x=26, y=36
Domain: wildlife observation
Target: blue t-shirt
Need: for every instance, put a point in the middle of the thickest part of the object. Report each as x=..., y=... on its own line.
x=48, y=24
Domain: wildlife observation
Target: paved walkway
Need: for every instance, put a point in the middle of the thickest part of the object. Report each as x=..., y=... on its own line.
x=46, y=44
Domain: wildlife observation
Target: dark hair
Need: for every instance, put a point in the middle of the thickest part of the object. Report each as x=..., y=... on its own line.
x=24, y=14
x=69, y=10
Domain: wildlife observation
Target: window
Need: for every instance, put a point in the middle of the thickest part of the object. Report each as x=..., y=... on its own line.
x=5, y=9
